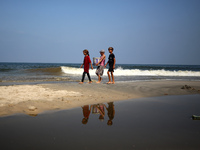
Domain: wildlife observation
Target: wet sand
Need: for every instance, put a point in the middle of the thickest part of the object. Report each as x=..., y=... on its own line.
x=152, y=123
x=39, y=98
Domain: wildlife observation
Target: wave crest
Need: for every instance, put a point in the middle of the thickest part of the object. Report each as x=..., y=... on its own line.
x=132, y=72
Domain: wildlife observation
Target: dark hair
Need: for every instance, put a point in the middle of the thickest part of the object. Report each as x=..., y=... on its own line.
x=86, y=51
x=111, y=48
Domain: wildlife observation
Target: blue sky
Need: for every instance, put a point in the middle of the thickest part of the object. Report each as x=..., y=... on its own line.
x=141, y=31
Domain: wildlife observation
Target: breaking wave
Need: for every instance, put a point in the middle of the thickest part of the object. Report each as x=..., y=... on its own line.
x=132, y=72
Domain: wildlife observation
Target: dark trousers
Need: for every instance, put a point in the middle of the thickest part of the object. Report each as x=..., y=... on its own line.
x=83, y=76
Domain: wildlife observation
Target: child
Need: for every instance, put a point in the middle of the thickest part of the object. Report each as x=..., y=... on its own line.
x=111, y=61
x=86, y=113
x=100, y=64
x=86, y=63
x=111, y=113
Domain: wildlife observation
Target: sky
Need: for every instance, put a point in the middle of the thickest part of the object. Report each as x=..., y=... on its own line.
x=140, y=31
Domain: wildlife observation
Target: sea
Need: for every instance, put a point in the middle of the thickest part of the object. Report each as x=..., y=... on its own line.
x=21, y=73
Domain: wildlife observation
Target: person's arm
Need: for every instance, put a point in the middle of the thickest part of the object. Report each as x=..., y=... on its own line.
x=91, y=107
x=106, y=64
x=91, y=65
x=102, y=113
x=89, y=60
x=114, y=63
x=81, y=66
x=105, y=106
x=101, y=60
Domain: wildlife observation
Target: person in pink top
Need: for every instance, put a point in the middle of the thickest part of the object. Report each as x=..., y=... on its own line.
x=100, y=64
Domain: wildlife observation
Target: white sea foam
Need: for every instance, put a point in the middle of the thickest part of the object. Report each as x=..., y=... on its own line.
x=132, y=72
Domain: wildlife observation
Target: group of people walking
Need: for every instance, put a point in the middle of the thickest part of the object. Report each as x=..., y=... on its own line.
x=99, y=109
x=101, y=65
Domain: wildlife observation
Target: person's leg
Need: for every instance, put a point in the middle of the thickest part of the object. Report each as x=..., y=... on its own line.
x=90, y=81
x=109, y=82
x=113, y=80
x=99, y=79
x=83, y=77
x=100, y=73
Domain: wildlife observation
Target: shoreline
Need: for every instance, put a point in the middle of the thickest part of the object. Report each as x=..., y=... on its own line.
x=34, y=99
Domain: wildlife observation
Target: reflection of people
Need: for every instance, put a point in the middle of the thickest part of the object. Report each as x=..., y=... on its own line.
x=86, y=63
x=101, y=111
x=111, y=113
x=86, y=113
x=111, y=61
x=100, y=64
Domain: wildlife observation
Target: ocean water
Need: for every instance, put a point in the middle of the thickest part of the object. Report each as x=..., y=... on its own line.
x=70, y=72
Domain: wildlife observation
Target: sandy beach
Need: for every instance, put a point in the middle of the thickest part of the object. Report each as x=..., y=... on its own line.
x=39, y=98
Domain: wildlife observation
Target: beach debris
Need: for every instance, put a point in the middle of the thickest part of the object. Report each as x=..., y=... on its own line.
x=187, y=87
x=33, y=115
x=195, y=117
x=32, y=108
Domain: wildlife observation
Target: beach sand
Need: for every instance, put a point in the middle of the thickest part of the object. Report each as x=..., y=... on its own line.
x=150, y=115
x=39, y=98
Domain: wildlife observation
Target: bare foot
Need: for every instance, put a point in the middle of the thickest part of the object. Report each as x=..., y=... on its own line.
x=90, y=82
x=109, y=82
x=80, y=82
x=98, y=82
x=113, y=82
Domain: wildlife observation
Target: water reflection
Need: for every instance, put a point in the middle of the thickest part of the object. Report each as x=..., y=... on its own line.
x=99, y=109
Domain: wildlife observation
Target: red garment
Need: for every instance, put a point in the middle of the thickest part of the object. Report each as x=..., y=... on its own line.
x=87, y=62
x=86, y=111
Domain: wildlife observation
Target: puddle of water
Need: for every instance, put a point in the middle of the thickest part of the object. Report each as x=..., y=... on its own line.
x=150, y=123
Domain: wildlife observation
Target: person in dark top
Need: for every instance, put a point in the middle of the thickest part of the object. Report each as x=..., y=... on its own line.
x=111, y=62
x=111, y=113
